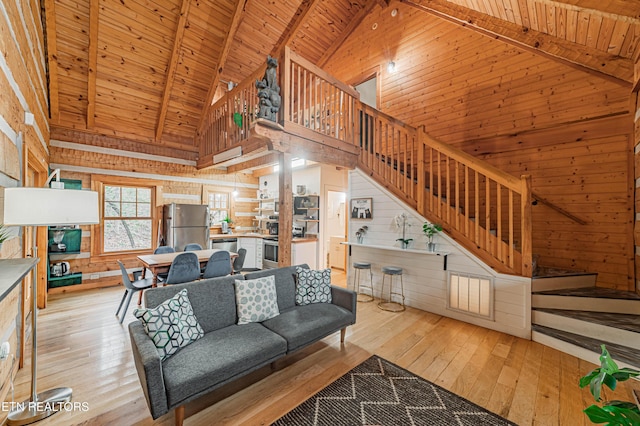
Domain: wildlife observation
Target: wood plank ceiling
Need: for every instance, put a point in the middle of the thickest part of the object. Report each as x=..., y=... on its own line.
x=137, y=74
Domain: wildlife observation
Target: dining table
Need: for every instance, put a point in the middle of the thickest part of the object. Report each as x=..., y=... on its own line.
x=159, y=263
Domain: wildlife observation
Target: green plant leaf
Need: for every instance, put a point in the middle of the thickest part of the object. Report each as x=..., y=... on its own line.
x=613, y=415
x=607, y=364
x=586, y=380
x=625, y=374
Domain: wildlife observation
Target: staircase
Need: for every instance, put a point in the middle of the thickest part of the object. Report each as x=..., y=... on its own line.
x=484, y=209
x=572, y=315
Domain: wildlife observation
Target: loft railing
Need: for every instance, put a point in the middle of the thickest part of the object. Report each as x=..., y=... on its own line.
x=486, y=210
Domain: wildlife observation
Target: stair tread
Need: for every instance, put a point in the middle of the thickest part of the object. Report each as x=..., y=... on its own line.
x=618, y=352
x=627, y=322
x=598, y=292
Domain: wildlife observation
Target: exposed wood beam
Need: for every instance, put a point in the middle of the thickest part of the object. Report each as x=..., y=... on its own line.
x=353, y=24
x=222, y=59
x=611, y=67
x=255, y=163
x=285, y=192
x=173, y=64
x=52, y=60
x=306, y=6
x=89, y=138
x=94, y=13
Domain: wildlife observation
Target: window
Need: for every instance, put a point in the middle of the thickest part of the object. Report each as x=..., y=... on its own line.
x=218, y=207
x=127, y=218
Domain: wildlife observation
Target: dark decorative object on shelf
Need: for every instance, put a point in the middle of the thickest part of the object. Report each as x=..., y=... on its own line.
x=269, y=92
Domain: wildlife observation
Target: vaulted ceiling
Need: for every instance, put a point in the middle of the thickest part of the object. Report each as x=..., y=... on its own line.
x=138, y=74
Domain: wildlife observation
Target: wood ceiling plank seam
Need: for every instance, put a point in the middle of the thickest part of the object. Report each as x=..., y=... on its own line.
x=294, y=24
x=52, y=54
x=533, y=15
x=508, y=9
x=354, y=23
x=501, y=10
x=582, y=28
x=561, y=23
x=172, y=64
x=593, y=32
x=523, y=9
x=139, y=13
x=571, y=26
x=221, y=62
x=631, y=42
x=551, y=14
x=591, y=60
x=618, y=36
x=624, y=10
x=94, y=22
x=120, y=31
x=541, y=13
x=514, y=6
x=606, y=32
x=120, y=83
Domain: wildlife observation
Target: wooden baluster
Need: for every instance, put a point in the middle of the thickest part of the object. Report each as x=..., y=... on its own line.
x=448, y=189
x=457, y=191
x=476, y=213
x=466, y=202
x=430, y=181
x=439, y=195
x=420, y=183
x=487, y=217
x=499, y=253
x=527, y=224
x=511, y=245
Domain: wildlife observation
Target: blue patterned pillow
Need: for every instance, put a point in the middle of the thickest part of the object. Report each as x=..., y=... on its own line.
x=313, y=286
x=171, y=325
x=256, y=300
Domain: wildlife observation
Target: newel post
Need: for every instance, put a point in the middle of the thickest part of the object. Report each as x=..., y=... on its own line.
x=527, y=227
x=420, y=133
x=285, y=85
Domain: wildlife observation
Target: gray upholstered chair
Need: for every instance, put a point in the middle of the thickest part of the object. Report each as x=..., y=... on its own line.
x=192, y=247
x=130, y=288
x=238, y=262
x=161, y=250
x=219, y=265
x=184, y=268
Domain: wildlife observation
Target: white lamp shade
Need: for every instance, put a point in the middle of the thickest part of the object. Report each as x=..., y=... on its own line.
x=49, y=207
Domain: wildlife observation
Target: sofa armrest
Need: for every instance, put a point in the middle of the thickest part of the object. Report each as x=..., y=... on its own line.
x=345, y=298
x=149, y=367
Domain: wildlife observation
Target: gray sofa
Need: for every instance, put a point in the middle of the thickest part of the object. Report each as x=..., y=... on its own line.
x=229, y=351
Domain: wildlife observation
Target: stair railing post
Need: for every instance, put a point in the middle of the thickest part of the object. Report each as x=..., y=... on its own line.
x=285, y=85
x=420, y=133
x=527, y=227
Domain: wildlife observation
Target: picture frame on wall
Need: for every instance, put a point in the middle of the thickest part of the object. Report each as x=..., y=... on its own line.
x=362, y=208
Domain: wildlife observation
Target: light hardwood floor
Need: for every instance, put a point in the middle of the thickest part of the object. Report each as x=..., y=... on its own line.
x=82, y=345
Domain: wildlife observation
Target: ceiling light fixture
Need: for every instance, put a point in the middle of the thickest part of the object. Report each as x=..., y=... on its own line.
x=391, y=66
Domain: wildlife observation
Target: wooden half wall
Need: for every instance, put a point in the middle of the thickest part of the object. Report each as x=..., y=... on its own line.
x=635, y=108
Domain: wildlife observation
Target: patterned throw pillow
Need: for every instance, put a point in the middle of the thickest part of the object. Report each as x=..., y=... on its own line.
x=256, y=299
x=313, y=286
x=171, y=325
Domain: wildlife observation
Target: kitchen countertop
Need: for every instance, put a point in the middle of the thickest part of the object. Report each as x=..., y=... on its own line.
x=13, y=271
x=257, y=235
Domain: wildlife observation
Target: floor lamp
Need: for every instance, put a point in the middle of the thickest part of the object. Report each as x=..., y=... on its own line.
x=55, y=206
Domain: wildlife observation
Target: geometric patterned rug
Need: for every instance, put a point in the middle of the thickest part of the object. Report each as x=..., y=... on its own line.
x=378, y=392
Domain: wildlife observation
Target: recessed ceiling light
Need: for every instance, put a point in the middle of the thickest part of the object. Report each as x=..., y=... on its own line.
x=374, y=26
x=394, y=12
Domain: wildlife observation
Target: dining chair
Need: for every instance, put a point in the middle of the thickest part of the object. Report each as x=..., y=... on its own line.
x=192, y=247
x=238, y=262
x=219, y=265
x=130, y=288
x=184, y=268
x=161, y=250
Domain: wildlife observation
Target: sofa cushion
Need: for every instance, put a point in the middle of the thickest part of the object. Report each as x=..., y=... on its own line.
x=171, y=325
x=213, y=300
x=302, y=325
x=313, y=286
x=219, y=357
x=256, y=300
x=285, y=284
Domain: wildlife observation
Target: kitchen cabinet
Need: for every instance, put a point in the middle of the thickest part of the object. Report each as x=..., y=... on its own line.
x=63, y=242
x=337, y=252
x=305, y=252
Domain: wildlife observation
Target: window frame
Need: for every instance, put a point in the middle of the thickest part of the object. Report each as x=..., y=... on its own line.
x=98, y=184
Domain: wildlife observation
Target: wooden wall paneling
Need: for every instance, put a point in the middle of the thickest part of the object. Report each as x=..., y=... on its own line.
x=52, y=60
x=94, y=10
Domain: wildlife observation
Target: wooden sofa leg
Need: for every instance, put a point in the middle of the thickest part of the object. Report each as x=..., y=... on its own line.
x=342, y=334
x=179, y=414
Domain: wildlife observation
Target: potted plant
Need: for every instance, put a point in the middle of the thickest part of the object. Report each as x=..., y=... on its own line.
x=400, y=221
x=611, y=412
x=430, y=230
x=226, y=222
x=360, y=233
x=4, y=234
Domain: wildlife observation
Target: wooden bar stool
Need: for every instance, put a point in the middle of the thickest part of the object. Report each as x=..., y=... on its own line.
x=357, y=269
x=388, y=304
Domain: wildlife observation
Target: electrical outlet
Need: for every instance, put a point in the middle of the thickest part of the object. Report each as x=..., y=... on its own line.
x=95, y=276
x=5, y=348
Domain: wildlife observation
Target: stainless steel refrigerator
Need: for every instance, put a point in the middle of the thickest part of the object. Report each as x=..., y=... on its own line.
x=184, y=224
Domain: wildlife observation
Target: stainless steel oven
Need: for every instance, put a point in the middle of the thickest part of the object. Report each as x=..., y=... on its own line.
x=270, y=253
